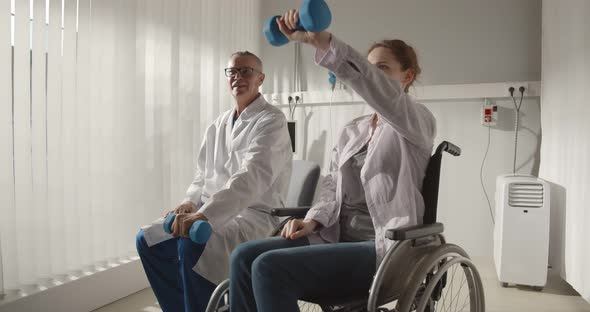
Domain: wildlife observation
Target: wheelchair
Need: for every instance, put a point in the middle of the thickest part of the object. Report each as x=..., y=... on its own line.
x=421, y=272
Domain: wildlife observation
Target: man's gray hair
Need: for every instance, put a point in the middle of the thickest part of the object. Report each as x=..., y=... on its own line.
x=248, y=53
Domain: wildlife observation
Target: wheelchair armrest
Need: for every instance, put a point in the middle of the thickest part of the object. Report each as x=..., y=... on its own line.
x=413, y=232
x=289, y=212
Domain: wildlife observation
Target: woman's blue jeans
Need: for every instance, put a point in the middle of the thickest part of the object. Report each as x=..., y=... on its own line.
x=272, y=274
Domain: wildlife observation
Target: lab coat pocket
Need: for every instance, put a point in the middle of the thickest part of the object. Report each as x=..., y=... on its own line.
x=380, y=189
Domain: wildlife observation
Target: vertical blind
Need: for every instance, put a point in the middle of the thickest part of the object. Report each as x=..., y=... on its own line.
x=103, y=106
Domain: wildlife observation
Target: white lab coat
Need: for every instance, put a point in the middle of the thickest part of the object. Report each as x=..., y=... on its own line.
x=397, y=155
x=241, y=174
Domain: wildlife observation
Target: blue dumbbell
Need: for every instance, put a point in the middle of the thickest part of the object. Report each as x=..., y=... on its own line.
x=199, y=233
x=314, y=16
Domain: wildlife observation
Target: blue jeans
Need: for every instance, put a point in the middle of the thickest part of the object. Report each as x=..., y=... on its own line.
x=169, y=269
x=272, y=274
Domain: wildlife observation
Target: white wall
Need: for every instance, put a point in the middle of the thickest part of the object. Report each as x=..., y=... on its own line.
x=462, y=205
x=459, y=41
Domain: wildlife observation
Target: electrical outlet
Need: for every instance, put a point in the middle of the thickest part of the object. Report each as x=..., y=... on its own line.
x=297, y=97
x=507, y=87
x=516, y=86
x=526, y=89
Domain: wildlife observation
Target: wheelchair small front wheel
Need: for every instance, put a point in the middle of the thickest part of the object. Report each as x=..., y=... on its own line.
x=219, y=301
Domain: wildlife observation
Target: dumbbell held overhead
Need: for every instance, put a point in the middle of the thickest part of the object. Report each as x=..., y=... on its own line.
x=314, y=16
x=199, y=232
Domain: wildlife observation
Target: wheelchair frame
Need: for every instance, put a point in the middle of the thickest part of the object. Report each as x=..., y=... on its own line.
x=417, y=289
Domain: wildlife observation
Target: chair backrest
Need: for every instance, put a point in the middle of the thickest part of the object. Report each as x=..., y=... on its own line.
x=304, y=179
x=431, y=180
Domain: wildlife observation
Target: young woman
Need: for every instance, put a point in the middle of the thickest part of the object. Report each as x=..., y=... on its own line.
x=374, y=184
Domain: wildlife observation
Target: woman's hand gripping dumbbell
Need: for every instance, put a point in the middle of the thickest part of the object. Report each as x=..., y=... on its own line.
x=313, y=16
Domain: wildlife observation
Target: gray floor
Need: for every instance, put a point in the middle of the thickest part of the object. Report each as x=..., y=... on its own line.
x=557, y=296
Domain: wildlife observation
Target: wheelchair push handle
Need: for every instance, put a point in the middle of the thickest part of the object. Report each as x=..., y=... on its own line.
x=449, y=147
x=199, y=232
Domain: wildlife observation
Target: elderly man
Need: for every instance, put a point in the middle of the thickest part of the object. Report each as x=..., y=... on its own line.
x=243, y=171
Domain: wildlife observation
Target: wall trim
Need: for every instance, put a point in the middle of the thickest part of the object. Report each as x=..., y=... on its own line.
x=86, y=293
x=421, y=93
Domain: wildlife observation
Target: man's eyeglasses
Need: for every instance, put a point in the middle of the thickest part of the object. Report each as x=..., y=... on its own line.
x=243, y=71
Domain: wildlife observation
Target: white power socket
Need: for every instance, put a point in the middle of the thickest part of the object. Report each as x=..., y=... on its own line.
x=516, y=85
x=489, y=114
x=297, y=97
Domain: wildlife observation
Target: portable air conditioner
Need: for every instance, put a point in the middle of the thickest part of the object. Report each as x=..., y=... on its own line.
x=521, y=232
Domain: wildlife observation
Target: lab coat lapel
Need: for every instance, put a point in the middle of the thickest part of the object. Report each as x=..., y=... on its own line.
x=354, y=146
x=247, y=116
x=229, y=131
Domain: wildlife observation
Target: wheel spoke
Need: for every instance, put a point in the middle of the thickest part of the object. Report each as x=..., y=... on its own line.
x=459, y=291
x=455, y=303
x=453, y=285
x=464, y=303
x=445, y=297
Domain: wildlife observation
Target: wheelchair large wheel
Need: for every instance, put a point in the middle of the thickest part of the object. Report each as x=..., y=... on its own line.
x=446, y=281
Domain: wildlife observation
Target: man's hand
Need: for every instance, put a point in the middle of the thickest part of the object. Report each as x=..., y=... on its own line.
x=297, y=228
x=187, y=207
x=183, y=222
